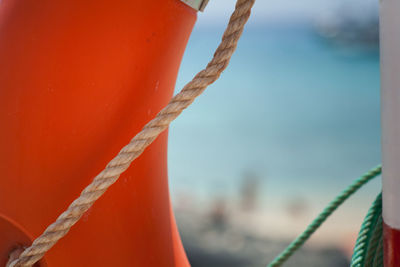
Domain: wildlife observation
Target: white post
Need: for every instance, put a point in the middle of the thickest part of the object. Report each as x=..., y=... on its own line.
x=390, y=100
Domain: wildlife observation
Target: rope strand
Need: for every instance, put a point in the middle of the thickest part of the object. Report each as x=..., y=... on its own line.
x=143, y=139
x=321, y=218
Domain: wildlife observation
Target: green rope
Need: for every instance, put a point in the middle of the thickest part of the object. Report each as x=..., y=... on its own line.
x=317, y=222
x=369, y=237
x=368, y=249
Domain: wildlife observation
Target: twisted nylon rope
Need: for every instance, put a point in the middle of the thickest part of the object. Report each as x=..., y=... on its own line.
x=368, y=250
x=151, y=130
x=320, y=219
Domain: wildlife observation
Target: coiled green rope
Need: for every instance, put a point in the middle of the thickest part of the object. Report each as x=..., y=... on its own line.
x=368, y=250
x=365, y=235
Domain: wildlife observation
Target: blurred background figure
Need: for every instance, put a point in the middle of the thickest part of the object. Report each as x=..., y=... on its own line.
x=218, y=215
x=249, y=191
x=299, y=102
x=296, y=207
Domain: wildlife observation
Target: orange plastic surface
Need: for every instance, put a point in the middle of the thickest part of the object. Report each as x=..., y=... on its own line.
x=78, y=79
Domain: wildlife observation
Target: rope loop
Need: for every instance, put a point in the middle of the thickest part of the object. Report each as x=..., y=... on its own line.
x=368, y=251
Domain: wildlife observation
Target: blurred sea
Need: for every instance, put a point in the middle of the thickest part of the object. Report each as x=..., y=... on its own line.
x=295, y=111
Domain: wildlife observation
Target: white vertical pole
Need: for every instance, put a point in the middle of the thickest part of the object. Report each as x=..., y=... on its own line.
x=390, y=100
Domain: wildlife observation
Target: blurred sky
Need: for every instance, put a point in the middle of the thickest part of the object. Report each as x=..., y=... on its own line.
x=266, y=11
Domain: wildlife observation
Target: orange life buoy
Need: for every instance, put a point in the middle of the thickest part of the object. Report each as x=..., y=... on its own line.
x=78, y=79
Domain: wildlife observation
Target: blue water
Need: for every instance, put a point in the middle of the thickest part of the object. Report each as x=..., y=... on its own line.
x=295, y=109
